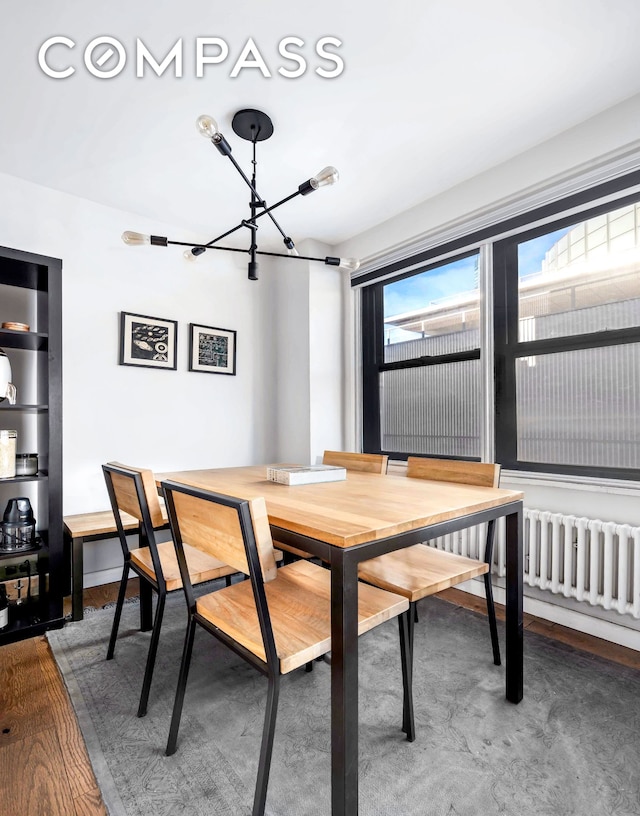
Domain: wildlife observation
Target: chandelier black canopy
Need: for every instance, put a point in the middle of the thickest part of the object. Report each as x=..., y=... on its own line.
x=254, y=126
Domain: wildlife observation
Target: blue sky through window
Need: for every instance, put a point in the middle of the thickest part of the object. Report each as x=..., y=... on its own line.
x=531, y=253
x=424, y=288
x=420, y=290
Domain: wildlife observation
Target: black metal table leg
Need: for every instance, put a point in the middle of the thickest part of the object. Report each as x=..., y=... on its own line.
x=344, y=632
x=514, y=624
x=344, y=684
x=77, y=576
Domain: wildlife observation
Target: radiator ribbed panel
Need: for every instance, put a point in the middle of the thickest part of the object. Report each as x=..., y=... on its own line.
x=595, y=562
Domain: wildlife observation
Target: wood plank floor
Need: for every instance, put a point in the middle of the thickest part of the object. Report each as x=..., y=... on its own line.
x=45, y=769
x=44, y=765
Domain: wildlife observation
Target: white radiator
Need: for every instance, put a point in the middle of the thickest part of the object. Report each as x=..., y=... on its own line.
x=596, y=562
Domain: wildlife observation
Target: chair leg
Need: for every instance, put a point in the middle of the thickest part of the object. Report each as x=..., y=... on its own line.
x=151, y=656
x=266, y=748
x=411, y=620
x=491, y=613
x=118, y=612
x=406, y=655
x=146, y=606
x=181, y=687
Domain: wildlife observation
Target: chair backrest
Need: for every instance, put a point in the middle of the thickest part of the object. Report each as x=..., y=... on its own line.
x=482, y=474
x=364, y=462
x=226, y=527
x=129, y=490
x=233, y=530
x=128, y=497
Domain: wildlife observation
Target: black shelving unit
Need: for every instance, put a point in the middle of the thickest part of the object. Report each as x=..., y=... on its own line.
x=31, y=293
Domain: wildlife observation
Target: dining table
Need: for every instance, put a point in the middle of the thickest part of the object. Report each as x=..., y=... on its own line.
x=361, y=517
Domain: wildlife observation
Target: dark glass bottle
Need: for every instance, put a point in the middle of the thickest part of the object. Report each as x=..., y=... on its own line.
x=4, y=607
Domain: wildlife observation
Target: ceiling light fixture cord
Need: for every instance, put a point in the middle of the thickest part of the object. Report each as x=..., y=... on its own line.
x=254, y=126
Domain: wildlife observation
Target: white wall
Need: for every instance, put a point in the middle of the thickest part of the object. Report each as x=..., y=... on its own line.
x=291, y=325
x=310, y=343
x=615, y=130
x=158, y=418
x=326, y=359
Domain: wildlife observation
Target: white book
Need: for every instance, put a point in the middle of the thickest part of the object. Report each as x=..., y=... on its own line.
x=301, y=474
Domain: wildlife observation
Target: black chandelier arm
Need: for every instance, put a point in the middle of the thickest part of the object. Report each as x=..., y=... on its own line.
x=168, y=242
x=258, y=198
x=267, y=210
x=224, y=235
x=248, y=222
x=328, y=260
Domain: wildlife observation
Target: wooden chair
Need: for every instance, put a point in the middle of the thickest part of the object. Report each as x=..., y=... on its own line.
x=279, y=620
x=364, y=462
x=419, y=571
x=133, y=491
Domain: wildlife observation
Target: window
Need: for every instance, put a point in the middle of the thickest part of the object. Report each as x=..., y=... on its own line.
x=423, y=367
x=566, y=336
x=568, y=345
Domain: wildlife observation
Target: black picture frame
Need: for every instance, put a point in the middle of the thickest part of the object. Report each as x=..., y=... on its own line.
x=148, y=342
x=212, y=350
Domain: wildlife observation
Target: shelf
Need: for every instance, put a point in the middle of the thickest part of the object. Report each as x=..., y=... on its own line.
x=39, y=477
x=31, y=291
x=31, y=626
x=32, y=341
x=39, y=548
x=4, y=406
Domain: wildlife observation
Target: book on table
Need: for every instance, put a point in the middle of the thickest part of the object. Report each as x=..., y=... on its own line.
x=305, y=474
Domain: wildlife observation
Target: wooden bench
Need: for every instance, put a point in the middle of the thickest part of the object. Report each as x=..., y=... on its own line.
x=83, y=527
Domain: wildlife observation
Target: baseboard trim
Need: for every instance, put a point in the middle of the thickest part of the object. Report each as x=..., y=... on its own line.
x=581, y=622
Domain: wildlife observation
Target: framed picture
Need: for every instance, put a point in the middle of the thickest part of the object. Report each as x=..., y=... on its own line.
x=147, y=341
x=212, y=350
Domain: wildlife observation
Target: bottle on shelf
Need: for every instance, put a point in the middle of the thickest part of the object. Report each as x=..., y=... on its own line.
x=4, y=607
x=7, y=388
x=8, y=454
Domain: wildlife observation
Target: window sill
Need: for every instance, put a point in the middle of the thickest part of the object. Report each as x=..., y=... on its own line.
x=622, y=487
x=590, y=484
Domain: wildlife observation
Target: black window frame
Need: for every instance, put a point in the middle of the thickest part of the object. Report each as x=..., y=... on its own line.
x=374, y=365
x=571, y=209
x=508, y=348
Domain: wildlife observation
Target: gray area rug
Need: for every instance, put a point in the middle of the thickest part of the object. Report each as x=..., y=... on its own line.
x=572, y=746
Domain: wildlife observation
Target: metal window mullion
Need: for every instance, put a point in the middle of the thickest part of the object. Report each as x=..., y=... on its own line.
x=423, y=362
x=354, y=428
x=487, y=374
x=576, y=342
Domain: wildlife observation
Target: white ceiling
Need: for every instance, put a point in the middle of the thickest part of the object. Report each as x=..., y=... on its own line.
x=432, y=93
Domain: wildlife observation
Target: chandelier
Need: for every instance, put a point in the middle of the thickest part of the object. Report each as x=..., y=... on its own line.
x=254, y=126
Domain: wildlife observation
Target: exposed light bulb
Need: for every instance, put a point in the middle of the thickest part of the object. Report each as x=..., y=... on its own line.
x=135, y=238
x=207, y=126
x=328, y=175
x=192, y=254
x=352, y=264
x=291, y=247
